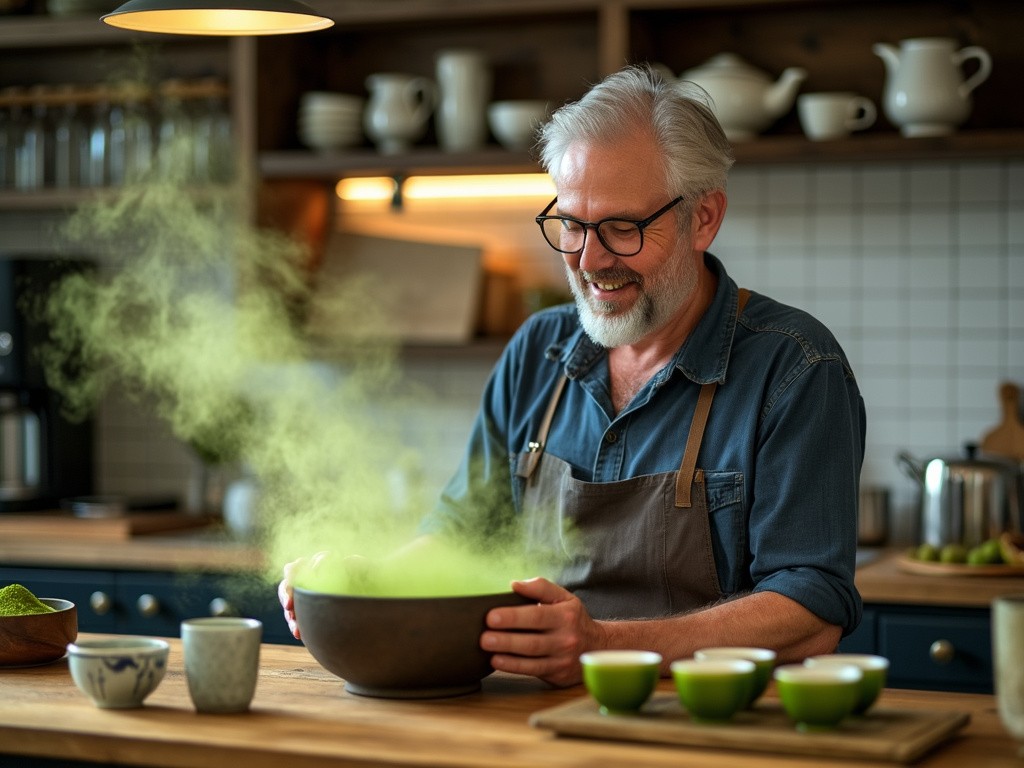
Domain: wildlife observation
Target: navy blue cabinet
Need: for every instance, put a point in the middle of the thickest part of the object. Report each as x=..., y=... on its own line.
x=929, y=648
x=154, y=603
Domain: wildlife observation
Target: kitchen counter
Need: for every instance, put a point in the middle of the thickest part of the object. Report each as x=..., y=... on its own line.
x=209, y=550
x=302, y=716
x=883, y=581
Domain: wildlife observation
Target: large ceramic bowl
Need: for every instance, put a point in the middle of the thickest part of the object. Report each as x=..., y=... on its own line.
x=398, y=647
x=38, y=638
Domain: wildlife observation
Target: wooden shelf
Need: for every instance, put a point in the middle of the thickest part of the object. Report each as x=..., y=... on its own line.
x=363, y=162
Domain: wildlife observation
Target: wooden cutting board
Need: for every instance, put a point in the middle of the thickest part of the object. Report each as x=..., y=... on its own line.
x=1007, y=439
x=893, y=735
x=41, y=525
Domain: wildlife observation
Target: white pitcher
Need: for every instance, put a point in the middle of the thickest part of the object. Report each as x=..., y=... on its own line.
x=464, y=82
x=397, y=112
x=925, y=90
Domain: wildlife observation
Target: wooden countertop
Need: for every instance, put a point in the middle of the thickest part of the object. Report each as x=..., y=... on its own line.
x=883, y=581
x=210, y=550
x=302, y=716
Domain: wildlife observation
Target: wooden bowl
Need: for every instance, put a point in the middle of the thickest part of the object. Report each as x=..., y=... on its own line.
x=400, y=647
x=38, y=638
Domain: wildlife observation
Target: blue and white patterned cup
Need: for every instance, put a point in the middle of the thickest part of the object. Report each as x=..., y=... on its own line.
x=118, y=673
x=222, y=659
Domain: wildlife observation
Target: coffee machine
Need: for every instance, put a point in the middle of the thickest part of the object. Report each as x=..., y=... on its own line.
x=44, y=456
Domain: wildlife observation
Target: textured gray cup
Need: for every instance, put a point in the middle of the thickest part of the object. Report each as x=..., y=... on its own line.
x=222, y=659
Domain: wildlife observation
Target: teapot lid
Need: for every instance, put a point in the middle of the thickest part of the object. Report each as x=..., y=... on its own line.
x=727, y=65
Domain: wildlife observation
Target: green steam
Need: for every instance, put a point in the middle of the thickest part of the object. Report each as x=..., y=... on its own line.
x=203, y=315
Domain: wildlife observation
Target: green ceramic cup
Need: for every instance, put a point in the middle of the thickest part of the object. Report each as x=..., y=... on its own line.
x=874, y=669
x=621, y=681
x=713, y=691
x=818, y=698
x=763, y=658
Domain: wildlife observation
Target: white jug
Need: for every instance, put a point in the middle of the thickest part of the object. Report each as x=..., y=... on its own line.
x=464, y=82
x=925, y=90
x=396, y=114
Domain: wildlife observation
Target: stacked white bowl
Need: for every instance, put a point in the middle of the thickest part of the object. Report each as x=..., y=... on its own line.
x=330, y=120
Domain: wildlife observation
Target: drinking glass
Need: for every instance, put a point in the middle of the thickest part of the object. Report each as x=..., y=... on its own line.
x=1008, y=655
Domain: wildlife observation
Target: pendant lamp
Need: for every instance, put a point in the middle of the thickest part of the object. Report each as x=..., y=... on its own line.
x=217, y=17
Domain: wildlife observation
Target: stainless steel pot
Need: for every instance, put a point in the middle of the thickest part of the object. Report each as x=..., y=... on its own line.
x=965, y=500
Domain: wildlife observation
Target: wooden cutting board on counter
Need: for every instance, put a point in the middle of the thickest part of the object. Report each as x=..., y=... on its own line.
x=51, y=524
x=1007, y=439
x=892, y=735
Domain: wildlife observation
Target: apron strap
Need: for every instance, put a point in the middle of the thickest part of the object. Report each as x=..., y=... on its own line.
x=688, y=469
x=528, y=461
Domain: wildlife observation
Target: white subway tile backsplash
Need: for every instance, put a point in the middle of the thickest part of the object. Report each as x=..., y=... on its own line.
x=979, y=225
x=788, y=188
x=982, y=267
x=985, y=314
x=981, y=182
x=930, y=183
x=883, y=186
x=884, y=228
x=930, y=226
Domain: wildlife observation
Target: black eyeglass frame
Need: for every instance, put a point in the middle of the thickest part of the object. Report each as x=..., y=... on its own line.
x=641, y=225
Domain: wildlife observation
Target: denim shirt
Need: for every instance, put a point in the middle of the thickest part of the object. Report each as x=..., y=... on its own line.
x=782, y=449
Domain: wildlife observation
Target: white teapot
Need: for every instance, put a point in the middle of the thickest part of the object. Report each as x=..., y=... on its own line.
x=926, y=93
x=744, y=99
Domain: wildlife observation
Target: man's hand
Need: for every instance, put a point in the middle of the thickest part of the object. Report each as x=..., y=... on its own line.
x=286, y=596
x=543, y=640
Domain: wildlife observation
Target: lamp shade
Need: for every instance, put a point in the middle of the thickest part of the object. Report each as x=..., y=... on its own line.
x=217, y=17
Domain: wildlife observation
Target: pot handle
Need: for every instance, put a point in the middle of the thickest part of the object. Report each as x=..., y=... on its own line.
x=911, y=467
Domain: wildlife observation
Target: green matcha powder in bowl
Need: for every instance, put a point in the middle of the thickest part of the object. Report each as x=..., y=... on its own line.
x=34, y=630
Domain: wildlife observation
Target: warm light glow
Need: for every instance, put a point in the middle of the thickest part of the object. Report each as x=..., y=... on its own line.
x=247, y=18
x=448, y=187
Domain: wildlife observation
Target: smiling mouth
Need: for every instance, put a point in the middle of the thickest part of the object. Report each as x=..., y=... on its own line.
x=609, y=283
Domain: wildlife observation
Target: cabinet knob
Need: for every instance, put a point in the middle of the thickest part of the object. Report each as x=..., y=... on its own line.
x=100, y=603
x=148, y=605
x=221, y=607
x=942, y=652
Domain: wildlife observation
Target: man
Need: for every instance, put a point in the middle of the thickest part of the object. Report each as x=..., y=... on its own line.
x=702, y=445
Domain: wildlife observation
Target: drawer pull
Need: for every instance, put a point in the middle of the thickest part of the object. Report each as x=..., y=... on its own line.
x=148, y=605
x=221, y=607
x=942, y=652
x=100, y=603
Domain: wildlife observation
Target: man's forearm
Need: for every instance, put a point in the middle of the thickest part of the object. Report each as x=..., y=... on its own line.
x=763, y=619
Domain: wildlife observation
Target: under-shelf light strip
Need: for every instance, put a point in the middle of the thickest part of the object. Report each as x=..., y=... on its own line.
x=446, y=187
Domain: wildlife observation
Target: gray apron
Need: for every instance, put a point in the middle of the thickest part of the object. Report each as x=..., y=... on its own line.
x=637, y=548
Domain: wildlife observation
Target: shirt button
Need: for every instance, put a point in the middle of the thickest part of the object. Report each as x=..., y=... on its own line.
x=610, y=437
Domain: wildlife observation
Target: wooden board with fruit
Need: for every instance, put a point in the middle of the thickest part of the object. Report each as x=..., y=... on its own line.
x=1003, y=556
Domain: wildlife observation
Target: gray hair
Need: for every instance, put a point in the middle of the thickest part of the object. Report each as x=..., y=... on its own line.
x=679, y=116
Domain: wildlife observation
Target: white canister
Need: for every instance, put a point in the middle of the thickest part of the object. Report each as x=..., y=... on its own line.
x=464, y=86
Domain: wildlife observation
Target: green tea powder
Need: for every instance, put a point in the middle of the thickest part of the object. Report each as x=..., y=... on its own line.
x=15, y=600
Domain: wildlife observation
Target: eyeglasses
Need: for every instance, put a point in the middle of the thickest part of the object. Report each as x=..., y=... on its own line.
x=623, y=237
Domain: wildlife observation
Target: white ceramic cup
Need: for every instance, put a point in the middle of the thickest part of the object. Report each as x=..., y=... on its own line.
x=833, y=115
x=222, y=659
x=1008, y=658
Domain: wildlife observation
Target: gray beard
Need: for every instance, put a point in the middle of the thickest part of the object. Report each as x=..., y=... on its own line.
x=660, y=297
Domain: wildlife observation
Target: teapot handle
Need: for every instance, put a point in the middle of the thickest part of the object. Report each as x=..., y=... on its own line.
x=984, y=67
x=911, y=467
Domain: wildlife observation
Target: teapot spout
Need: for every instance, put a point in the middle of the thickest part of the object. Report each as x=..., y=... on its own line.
x=889, y=56
x=781, y=95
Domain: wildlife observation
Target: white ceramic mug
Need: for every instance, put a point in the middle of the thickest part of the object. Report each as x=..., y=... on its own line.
x=1008, y=661
x=833, y=115
x=222, y=659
